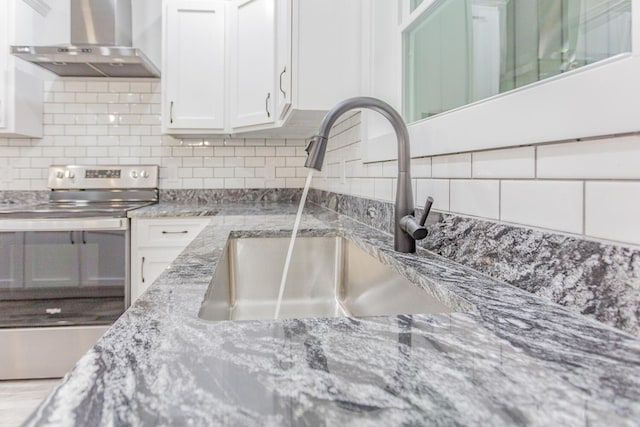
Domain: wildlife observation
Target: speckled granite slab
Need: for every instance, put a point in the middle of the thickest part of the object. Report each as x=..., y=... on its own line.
x=22, y=198
x=592, y=278
x=207, y=196
x=506, y=358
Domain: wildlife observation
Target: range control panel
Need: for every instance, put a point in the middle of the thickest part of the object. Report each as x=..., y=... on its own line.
x=102, y=177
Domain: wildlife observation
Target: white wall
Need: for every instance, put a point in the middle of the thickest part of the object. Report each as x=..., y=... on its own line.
x=103, y=121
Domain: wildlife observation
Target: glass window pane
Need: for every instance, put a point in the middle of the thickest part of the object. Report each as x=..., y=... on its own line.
x=461, y=51
x=414, y=4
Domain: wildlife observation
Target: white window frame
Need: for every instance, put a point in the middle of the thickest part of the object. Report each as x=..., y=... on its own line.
x=597, y=100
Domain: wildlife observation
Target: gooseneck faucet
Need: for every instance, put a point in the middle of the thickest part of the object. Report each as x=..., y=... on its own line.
x=407, y=228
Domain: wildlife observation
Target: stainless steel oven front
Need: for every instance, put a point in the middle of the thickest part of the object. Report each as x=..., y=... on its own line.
x=64, y=266
x=62, y=283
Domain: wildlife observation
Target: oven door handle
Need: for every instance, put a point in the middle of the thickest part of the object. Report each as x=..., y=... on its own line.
x=67, y=224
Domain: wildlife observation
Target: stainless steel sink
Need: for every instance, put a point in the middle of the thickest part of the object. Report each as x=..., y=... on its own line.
x=328, y=277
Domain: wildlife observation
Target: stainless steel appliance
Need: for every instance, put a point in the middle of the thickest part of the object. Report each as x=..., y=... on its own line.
x=64, y=266
x=101, y=44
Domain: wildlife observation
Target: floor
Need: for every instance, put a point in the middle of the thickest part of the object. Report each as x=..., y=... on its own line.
x=19, y=398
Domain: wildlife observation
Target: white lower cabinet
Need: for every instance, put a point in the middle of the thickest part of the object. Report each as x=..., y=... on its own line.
x=155, y=243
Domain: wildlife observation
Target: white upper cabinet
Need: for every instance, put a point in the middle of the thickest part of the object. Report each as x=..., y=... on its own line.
x=193, y=71
x=287, y=62
x=252, y=56
x=21, y=84
x=283, y=58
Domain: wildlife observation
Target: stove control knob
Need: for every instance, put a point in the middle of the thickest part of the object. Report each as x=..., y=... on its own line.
x=70, y=174
x=134, y=174
x=144, y=174
x=59, y=174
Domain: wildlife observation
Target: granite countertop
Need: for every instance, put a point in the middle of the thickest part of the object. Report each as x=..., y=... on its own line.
x=506, y=357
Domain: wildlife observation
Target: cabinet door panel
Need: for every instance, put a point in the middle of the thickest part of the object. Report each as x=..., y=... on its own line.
x=147, y=266
x=283, y=57
x=194, y=65
x=252, y=62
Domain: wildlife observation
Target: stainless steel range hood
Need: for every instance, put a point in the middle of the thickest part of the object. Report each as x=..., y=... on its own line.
x=100, y=44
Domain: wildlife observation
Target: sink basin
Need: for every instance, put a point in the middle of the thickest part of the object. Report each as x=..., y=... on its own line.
x=328, y=277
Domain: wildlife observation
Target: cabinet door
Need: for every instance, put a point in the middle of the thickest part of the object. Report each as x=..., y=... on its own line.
x=147, y=265
x=283, y=58
x=193, y=65
x=252, y=52
x=155, y=243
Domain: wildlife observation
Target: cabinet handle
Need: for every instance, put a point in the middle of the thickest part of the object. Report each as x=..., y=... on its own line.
x=171, y=113
x=266, y=104
x=84, y=240
x=282, y=74
x=142, y=270
x=71, y=238
x=175, y=232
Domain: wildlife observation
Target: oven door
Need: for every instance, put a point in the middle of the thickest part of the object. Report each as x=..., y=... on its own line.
x=69, y=272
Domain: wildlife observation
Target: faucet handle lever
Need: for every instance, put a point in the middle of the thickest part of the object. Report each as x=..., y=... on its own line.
x=427, y=209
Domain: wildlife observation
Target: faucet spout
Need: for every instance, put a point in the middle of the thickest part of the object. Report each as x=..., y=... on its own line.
x=404, y=240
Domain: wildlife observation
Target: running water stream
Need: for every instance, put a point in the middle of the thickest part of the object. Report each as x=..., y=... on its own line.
x=292, y=242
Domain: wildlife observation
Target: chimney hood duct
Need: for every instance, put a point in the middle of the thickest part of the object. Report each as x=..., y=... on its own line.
x=100, y=44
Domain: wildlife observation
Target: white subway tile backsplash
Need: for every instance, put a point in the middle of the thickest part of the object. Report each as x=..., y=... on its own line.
x=608, y=158
x=97, y=86
x=556, y=205
x=421, y=167
x=118, y=120
x=107, y=98
x=510, y=163
x=285, y=172
x=254, y=182
x=285, y=151
x=202, y=173
x=255, y=162
x=383, y=189
x=223, y=172
x=475, y=197
x=390, y=169
x=87, y=98
x=224, y=151
x=612, y=211
x=436, y=188
x=64, y=97
x=233, y=183
x=192, y=162
x=119, y=86
x=455, y=166
x=140, y=87
x=265, y=151
x=294, y=182
x=213, y=162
